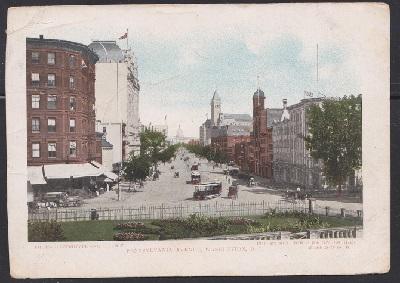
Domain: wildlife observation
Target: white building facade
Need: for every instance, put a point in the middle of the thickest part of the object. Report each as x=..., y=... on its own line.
x=292, y=162
x=117, y=98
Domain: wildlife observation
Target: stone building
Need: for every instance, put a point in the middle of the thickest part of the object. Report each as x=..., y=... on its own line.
x=60, y=80
x=215, y=108
x=292, y=163
x=117, y=97
x=222, y=123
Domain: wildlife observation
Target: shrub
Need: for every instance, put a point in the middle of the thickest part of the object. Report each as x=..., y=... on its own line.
x=129, y=225
x=128, y=236
x=45, y=232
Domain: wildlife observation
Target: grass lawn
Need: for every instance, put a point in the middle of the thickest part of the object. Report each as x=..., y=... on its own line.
x=197, y=226
x=102, y=230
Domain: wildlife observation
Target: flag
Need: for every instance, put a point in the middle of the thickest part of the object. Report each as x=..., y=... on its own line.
x=124, y=36
x=308, y=93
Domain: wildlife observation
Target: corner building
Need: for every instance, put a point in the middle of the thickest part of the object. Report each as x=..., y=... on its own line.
x=60, y=77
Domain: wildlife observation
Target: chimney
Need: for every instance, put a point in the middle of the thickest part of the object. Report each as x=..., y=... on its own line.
x=284, y=101
x=41, y=36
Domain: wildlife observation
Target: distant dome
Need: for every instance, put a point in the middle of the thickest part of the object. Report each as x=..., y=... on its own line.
x=179, y=132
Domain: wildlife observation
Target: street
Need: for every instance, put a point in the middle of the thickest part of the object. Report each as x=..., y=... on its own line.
x=168, y=190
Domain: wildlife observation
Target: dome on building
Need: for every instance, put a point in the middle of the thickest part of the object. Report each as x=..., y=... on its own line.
x=107, y=50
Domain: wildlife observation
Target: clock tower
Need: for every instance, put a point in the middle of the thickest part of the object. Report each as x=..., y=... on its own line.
x=215, y=108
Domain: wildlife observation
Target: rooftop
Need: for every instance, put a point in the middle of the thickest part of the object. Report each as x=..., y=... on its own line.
x=107, y=50
x=242, y=117
x=259, y=92
x=63, y=44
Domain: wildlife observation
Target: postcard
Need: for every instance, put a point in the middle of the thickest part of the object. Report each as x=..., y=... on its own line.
x=198, y=140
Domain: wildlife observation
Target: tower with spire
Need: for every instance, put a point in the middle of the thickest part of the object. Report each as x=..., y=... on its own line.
x=215, y=108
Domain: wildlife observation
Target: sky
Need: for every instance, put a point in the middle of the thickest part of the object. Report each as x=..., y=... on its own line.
x=186, y=53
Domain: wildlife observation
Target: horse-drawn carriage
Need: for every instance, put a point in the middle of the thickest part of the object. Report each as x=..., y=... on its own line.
x=251, y=182
x=297, y=195
x=57, y=199
x=207, y=190
x=195, y=177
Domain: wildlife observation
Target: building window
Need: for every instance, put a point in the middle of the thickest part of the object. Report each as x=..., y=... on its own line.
x=35, y=149
x=35, y=79
x=72, y=125
x=72, y=103
x=51, y=102
x=71, y=82
x=35, y=101
x=35, y=57
x=35, y=125
x=52, y=149
x=51, y=125
x=51, y=58
x=104, y=129
x=72, y=148
x=71, y=61
x=51, y=80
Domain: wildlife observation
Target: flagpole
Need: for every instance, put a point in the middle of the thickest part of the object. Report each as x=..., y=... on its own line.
x=317, y=73
x=127, y=41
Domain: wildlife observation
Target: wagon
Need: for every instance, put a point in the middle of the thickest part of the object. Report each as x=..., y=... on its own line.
x=207, y=190
x=301, y=195
x=251, y=182
x=195, y=177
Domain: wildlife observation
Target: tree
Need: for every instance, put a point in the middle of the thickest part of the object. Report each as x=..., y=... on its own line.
x=220, y=157
x=137, y=168
x=167, y=154
x=334, y=136
x=151, y=144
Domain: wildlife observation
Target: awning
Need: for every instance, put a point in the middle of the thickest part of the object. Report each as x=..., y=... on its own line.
x=35, y=175
x=105, y=171
x=65, y=171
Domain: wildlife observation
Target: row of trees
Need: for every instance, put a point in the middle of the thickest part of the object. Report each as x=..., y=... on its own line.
x=153, y=149
x=208, y=152
x=335, y=137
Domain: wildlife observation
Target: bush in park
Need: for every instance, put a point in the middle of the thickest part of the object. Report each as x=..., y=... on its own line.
x=130, y=225
x=129, y=236
x=45, y=232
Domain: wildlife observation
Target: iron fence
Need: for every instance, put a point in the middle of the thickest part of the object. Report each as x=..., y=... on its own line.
x=152, y=212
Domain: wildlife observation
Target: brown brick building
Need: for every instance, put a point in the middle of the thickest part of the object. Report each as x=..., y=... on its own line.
x=227, y=143
x=60, y=78
x=256, y=156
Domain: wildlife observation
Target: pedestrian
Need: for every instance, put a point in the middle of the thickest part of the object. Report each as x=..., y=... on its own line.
x=229, y=180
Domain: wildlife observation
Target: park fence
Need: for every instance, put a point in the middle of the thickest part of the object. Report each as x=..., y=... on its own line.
x=153, y=212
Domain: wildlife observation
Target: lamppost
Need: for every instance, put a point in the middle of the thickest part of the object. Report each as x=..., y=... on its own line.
x=119, y=173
